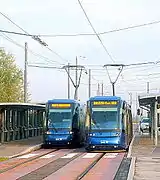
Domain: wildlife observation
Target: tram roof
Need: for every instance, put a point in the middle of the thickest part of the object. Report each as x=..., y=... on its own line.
x=101, y=98
x=63, y=101
x=22, y=105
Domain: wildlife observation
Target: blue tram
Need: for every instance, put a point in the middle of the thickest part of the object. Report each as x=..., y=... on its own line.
x=108, y=124
x=65, y=123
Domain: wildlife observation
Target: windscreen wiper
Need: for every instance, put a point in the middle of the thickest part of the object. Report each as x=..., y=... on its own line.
x=53, y=127
x=94, y=122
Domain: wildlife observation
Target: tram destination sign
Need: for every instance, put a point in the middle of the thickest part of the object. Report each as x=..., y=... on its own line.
x=60, y=105
x=103, y=103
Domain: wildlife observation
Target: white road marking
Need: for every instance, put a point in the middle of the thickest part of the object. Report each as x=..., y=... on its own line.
x=90, y=155
x=27, y=156
x=69, y=155
x=47, y=156
x=110, y=155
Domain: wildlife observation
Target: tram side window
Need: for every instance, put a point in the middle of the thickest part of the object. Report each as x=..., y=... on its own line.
x=76, y=119
x=123, y=116
x=46, y=115
x=123, y=120
x=130, y=123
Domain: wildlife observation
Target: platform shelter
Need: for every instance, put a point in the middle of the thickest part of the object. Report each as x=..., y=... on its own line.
x=20, y=121
x=151, y=103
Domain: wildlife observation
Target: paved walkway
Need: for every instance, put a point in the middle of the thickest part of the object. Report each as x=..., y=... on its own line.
x=13, y=148
x=147, y=158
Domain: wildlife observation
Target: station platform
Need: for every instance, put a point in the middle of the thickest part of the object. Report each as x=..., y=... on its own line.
x=19, y=147
x=147, y=157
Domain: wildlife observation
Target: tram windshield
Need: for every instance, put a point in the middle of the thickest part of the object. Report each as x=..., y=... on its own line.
x=60, y=118
x=104, y=118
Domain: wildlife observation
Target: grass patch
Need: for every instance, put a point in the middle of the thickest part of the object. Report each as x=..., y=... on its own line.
x=3, y=159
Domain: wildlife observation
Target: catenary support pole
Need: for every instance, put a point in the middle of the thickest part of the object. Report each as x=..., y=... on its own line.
x=25, y=72
x=68, y=82
x=89, y=88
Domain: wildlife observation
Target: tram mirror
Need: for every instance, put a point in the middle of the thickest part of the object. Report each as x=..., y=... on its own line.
x=138, y=112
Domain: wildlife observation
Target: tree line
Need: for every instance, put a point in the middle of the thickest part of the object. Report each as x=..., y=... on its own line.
x=11, y=79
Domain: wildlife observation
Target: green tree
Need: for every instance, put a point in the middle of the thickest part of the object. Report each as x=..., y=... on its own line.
x=11, y=79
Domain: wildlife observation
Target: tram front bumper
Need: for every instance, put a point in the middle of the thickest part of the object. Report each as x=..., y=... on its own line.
x=109, y=143
x=52, y=139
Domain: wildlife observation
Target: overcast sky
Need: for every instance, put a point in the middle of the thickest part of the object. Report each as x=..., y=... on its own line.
x=66, y=17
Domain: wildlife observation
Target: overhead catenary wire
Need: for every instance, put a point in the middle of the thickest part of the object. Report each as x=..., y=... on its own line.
x=98, y=36
x=13, y=22
x=83, y=34
x=11, y=40
x=145, y=24
x=136, y=76
x=133, y=67
x=29, y=50
x=133, y=80
x=150, y=74
x=49, y=67
x=43, y=57
x=145, y=78
x=102, y=33
x=36, y=38
x=99, y=70
x=95, y=31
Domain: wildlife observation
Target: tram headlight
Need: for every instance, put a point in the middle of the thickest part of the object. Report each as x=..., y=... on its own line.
x=91, y=134
x=48, y=132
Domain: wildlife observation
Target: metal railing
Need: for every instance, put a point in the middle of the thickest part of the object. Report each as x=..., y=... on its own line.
x=20, y=121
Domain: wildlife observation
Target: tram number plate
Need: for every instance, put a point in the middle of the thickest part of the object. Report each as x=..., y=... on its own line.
x=58, y=139
x=104, y=142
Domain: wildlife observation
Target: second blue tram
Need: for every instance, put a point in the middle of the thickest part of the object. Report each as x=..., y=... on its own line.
x=108, y=124
x=65, y=122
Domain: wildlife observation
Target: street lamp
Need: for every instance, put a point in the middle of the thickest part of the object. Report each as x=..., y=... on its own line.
x=120, y=70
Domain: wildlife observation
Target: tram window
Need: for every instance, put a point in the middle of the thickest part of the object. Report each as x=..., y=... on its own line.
x=76, y=119
x=123, y=121
x=101, y=119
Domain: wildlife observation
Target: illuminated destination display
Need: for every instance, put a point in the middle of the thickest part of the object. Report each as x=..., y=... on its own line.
x=60, y=105
x=101, y=103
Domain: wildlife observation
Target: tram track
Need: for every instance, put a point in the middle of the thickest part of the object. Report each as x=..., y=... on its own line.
x=17, y=161
x=106, y=167
x=49, y=168
x=89, y=168
x=68, y=164
x=41, y=165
